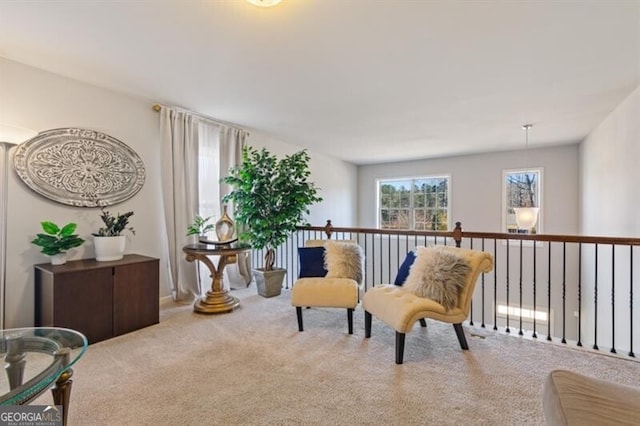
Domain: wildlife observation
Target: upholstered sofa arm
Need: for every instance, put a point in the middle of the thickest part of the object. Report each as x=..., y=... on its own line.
x=570, y=398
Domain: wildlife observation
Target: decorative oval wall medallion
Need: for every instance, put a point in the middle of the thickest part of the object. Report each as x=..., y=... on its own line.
x=79, y=167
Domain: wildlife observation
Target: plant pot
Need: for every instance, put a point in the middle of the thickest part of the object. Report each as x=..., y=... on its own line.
x=109, y=248
x=59, y=259
x=269, y=283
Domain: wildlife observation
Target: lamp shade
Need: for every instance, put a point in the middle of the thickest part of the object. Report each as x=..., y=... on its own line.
x=264, y=3
x=14, y=134
x=526, y=217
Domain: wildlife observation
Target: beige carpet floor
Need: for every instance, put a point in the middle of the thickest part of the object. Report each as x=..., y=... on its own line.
x=253, y=367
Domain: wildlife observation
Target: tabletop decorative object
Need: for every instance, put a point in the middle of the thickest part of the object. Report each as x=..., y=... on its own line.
x=225, y=227
x=79, y=167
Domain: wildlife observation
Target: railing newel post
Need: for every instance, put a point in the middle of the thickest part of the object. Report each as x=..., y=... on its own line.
x=457, y=234
x=328, y=229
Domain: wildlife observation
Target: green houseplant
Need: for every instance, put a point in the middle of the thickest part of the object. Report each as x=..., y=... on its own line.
x=56, y=241
x=200, y=226
x=271, y=196
x=109, y=243
x=114, y=225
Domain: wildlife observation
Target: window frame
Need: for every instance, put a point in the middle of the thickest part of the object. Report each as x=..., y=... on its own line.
x=381, y=181
x=505, y=219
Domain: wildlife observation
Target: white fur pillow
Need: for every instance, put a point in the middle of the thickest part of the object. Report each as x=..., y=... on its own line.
x=344, y=260
x=438, y=275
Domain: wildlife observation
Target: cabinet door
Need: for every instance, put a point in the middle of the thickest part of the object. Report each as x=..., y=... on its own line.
x=83, y=301
x=136, y=296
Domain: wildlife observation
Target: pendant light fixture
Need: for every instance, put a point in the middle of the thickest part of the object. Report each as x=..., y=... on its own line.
x=264, y=3
x=526, y=216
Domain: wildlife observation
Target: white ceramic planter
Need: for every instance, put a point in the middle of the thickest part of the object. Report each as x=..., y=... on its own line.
x=109, y=248
x=59, y=259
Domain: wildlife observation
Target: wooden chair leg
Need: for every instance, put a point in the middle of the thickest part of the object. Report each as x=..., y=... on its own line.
x=461, y=338
x=399, y=347
x=299, y=314
x=350, y=319
x=423, y=323
x=367, y=324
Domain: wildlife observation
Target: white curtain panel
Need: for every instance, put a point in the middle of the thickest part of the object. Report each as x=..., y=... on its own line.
x=179, y=159
x=231, y=143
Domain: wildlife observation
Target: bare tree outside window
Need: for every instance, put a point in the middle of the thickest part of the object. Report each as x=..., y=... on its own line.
x=414, y=203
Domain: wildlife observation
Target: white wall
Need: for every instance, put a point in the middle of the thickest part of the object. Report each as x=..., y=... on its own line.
x=476, y=186
x=610, y=173
x=40, y=101
x=337, y=180
x=610, y=202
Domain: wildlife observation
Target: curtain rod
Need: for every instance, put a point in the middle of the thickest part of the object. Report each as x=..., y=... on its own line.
x=158, y=108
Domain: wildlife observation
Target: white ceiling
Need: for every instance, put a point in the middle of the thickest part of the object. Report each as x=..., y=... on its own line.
x=363, y=80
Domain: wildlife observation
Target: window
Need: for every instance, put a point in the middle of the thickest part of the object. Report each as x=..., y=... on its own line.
x=414, y=203
x=208, y=169
x=521, y=188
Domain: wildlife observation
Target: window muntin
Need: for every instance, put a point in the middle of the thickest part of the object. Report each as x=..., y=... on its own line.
x=420, y=203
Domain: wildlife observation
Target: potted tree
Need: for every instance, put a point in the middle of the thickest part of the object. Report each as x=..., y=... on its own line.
x=55, y=241
x=109, y=242
x=270, y=198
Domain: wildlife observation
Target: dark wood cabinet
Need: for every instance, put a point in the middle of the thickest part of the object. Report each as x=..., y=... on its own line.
x=99, y=299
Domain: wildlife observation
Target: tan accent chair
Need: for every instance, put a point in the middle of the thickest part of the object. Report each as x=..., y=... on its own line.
x=570, y=398
x=401, y=309
x=325, y=292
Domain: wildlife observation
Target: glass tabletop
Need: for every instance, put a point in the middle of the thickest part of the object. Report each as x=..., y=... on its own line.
x=34, y=359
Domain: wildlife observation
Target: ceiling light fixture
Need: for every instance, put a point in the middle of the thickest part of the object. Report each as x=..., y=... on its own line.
x=526, y=216
x=264, y=3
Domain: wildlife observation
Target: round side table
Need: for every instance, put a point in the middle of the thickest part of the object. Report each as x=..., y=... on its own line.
x=217, y=300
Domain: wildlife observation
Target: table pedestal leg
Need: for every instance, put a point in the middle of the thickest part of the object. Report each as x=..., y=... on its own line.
x=216, y=303
x=62, y=389
x=15, y=359
x=62, y=392
x=217, y=300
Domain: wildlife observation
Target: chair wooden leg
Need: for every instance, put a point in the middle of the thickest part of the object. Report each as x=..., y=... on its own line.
x=299, y=314
x=399, y=347
x=461, y=338
x=350, y=319
x=423, y=323
x=367, y=324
